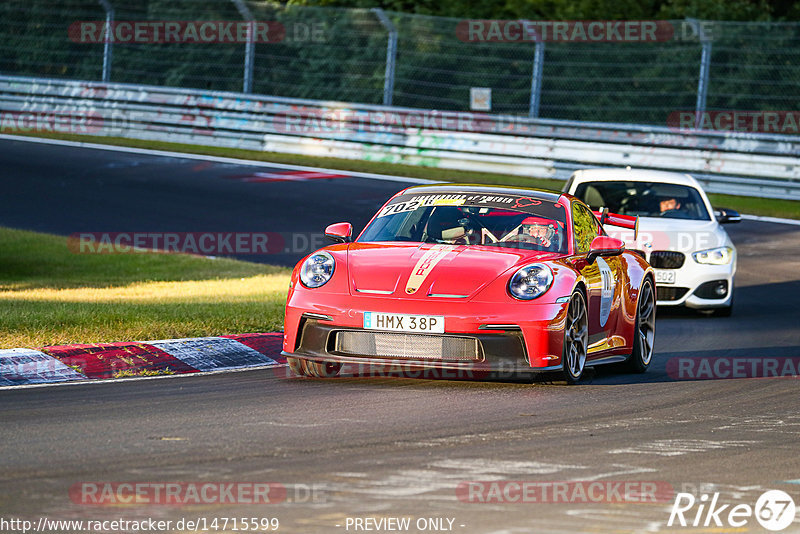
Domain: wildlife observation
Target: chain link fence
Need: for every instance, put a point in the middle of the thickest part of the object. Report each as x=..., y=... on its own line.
x=341, y=55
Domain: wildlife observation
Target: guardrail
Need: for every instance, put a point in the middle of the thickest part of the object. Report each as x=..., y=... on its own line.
x=725, y=162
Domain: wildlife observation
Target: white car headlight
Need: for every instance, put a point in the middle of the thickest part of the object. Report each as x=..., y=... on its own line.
x=530, y=282
x=714, y=256
x=317, y=269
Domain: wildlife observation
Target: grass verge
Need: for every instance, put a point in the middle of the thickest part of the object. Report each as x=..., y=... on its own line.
x=50, y=296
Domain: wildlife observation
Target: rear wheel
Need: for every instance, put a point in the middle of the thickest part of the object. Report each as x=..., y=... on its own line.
x=644, y=330
x=576, y=338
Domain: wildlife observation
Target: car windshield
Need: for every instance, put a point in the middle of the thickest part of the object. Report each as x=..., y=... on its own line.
x=645, y=199
x=471, y=219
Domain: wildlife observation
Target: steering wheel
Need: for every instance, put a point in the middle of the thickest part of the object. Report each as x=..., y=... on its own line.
x=673, y=214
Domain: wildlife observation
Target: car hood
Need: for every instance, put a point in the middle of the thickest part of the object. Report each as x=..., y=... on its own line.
x=424, y=270
x=682, y=235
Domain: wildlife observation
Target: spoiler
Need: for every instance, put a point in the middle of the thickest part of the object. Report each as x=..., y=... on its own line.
x=623, y=221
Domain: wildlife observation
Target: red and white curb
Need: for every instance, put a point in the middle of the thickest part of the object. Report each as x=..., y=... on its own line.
x=68, y=363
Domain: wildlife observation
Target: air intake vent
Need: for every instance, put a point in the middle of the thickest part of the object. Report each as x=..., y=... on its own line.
x=667, y=259
x=407, y=346
x=666, y=293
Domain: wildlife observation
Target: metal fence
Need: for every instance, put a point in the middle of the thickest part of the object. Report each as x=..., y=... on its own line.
x=371, y=57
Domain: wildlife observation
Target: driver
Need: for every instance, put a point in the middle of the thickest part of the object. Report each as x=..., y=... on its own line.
x=669, y=204
x=542, y=231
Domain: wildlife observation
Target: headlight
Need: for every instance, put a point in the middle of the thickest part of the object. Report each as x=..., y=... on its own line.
x=530, y=282
x=317, y=269
x=714, y=256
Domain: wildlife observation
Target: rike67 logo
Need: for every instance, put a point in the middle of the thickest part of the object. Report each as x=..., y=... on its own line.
x=774, y=510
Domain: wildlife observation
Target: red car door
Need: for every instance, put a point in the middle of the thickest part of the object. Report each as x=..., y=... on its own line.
x=603, y=276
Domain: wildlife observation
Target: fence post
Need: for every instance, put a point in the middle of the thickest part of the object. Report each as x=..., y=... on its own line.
x=250, y=46
x=108, y=49
x=705, y=72
x=391, y=55
x=536, y=80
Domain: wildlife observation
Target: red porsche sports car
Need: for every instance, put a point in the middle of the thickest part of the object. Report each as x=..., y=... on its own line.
x=474, y=278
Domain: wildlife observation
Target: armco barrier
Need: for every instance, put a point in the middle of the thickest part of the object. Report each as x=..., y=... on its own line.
x=752, y=164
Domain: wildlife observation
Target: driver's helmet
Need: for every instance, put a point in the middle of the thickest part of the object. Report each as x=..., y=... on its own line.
x=538, y=227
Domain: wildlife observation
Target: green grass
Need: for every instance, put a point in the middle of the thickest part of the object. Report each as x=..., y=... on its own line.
x=51, y=296
x=789, y=209
x=750, y=205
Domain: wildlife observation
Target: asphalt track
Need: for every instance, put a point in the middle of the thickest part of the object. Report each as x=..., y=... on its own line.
x=385, y=447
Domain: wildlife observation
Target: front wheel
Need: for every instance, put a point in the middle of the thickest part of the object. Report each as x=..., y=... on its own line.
x=323, y=369
x=297, y=366
x=644, y=330
x=727, y=310
x=302, y=367
x=576, y=339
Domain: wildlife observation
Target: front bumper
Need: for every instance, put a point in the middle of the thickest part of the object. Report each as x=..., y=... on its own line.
x=512, y=338
x=690, y=286
x=500, y=356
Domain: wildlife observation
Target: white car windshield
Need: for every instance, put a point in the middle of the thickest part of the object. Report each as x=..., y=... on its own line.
x=645, y=199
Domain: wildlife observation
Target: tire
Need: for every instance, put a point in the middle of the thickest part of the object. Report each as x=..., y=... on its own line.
x=726, y=311
x=576, y=339
x=644, y=330
x=296, y=365
x=302, y=367
x=323, y=369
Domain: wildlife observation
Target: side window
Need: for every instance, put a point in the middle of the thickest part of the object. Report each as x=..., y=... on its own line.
x=585, y=227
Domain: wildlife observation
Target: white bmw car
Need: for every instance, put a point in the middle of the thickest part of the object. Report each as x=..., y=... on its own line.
x=679, y=232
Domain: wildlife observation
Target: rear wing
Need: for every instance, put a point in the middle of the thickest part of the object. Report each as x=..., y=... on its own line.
x=623, y=221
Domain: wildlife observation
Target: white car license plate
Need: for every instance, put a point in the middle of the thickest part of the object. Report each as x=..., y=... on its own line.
x=665, y=277
x=397, y=322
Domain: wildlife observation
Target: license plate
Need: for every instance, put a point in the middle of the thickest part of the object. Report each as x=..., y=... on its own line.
x=397, y=322
x=665, y=277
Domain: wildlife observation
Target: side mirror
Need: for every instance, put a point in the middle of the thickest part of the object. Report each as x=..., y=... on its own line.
x=604, y=245
x=726, y=216
x=340, y=232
